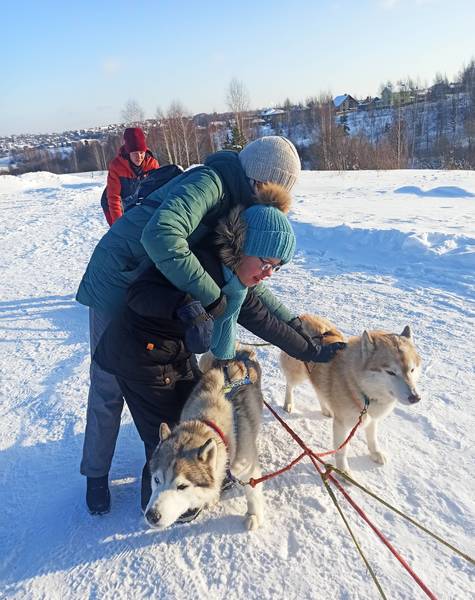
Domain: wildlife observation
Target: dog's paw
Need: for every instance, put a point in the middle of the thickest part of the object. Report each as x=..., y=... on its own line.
x=379, y=457
x=327, y=412
x=288, y=408
x=253, y=521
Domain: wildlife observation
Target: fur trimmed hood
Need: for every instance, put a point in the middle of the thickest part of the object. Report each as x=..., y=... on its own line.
x=272, y=194
x=231, y=230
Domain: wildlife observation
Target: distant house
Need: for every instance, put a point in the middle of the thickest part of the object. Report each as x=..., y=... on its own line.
x=218, y=124
x=455, y=88
x=421, y=95
x=273, y=116
x=201, y=119
x=272, y=112
x=369, y=103
x=345, y=102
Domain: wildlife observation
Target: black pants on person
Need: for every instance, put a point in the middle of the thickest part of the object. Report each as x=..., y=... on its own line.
x=160, y=401
x=152, y=404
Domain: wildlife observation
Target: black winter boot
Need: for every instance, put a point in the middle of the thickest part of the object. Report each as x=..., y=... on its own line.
x=98, y=498
x=146, y=489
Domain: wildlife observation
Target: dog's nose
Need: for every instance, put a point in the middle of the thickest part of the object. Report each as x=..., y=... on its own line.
x=153, y=516
x=413, y=398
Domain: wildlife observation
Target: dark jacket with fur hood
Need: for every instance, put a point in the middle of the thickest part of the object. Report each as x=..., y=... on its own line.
x=165, y=232
x=146, y=342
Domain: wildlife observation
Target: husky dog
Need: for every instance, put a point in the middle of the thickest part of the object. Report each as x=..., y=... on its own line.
x=379, y=368
x=216, y=431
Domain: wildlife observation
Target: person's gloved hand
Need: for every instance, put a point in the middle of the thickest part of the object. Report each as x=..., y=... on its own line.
x=324, y=354
x=317, y=352
x=198, y=326
x=305, y=330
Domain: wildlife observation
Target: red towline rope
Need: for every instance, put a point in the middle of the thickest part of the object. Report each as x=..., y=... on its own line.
x=307, y=451
x=314, y=457
x=363, y=515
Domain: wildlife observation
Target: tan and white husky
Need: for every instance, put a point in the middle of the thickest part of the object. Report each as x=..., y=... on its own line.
x=382, y=368
x=189, y=465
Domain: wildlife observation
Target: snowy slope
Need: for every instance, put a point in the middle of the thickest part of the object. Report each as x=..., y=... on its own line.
x=376, y=250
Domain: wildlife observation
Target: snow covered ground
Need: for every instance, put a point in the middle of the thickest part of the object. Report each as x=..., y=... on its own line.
x=376, y=250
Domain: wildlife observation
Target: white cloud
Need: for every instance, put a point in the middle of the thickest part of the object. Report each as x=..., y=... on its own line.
x=111, y=66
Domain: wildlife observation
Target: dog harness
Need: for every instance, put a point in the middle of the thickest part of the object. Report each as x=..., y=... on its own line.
x=366, y=401
x=216, y=429
x=232, y=387
x=229, y=476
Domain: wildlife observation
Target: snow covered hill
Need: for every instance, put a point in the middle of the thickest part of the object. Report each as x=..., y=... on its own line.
x=376, y=250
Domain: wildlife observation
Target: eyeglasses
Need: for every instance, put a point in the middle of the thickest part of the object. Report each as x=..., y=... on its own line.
x=267, y=266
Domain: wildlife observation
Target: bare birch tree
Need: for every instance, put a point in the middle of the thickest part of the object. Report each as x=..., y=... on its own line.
x=238, y=101
x=133, y=113
x=181, y=120
x=164, y=137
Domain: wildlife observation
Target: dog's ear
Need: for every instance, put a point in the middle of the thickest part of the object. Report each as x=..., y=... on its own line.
x=206, y=361
x=367, y=345
x=245, y=352
x=208, y=452
x=236, y=370
x=406, y=332
x=253, y=374
x=164, y=432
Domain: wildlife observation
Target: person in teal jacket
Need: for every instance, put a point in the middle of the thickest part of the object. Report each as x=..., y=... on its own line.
x=187, y=208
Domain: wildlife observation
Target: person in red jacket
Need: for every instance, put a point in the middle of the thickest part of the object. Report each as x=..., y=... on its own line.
x=126, y=170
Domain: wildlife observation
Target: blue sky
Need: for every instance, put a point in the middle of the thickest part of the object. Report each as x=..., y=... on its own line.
x=74, y=65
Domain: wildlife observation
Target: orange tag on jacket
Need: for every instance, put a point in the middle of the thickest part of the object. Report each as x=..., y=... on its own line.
x=150, y=346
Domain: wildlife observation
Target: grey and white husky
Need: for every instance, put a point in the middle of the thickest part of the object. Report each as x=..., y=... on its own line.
x=378, y=367
x=215, y=433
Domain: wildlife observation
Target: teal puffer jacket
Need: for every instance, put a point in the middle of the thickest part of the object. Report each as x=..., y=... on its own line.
x=188, y=207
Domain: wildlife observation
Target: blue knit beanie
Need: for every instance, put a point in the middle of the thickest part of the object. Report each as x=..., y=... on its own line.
x=269, y=233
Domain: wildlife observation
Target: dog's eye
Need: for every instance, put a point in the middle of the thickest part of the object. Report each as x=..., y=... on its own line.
x=182, y=486
x=412, y=370
x=391, y=373
x=157, y=480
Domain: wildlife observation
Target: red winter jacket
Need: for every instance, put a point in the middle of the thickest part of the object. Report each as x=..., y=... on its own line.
x=122, y=181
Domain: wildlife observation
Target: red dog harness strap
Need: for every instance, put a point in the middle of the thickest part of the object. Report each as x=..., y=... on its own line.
x=215, y=428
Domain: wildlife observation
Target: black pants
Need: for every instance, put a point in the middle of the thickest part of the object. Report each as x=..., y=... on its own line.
x=151, y=405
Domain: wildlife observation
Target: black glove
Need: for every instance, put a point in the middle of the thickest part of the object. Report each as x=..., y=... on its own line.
x=198, y=326
x=324, y=354
x=303, y=328
x=316, y=352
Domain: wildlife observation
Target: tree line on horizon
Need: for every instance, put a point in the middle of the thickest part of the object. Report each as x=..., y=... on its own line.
x=412, y=127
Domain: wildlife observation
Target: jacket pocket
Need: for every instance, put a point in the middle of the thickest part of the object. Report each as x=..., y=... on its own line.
x=164, y=352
